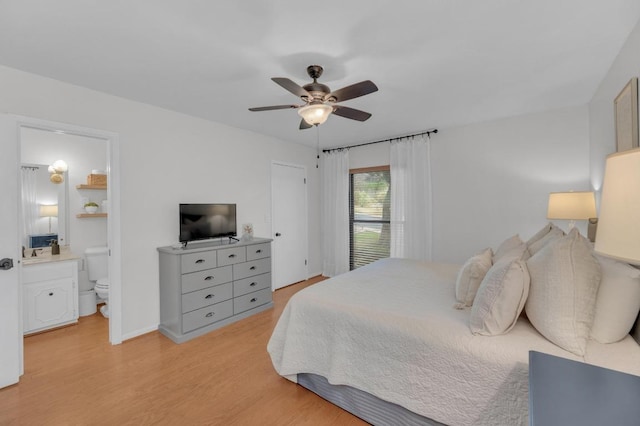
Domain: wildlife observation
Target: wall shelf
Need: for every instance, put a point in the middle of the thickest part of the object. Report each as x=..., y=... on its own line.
x=84, y=186
x=86, y=215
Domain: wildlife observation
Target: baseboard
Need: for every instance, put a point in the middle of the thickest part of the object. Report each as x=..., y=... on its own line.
x=139, y=332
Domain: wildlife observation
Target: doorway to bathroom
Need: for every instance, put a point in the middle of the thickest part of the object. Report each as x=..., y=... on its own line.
x=86, y=212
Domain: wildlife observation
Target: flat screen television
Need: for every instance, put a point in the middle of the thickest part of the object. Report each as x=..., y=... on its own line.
x=207, y=221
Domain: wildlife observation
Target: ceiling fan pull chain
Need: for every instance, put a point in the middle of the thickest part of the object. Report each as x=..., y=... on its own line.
x=317, y=146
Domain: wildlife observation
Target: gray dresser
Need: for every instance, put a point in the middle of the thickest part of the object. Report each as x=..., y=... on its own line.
x=209, y=285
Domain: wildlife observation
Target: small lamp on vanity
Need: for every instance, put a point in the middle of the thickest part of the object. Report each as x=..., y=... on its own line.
x=618, y=233
x=572, y=206
x=49, y=210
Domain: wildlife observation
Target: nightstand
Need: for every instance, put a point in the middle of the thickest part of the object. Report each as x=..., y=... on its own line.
x=563, y=392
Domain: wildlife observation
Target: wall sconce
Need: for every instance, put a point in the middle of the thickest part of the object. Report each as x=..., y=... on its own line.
x=57, y=170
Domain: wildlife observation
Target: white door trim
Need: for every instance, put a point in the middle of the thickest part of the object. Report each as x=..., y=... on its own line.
x=306, y=211
x=113, y=222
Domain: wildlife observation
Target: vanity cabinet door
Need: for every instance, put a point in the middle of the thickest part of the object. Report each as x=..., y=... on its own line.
x=48, y=303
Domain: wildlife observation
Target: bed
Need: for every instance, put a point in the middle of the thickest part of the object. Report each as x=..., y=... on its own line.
x=386, y=343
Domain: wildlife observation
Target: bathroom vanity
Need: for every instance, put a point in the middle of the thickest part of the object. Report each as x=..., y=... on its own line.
x=49, y=291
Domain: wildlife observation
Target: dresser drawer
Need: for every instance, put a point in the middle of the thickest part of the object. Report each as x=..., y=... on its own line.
x=258, y=251
x=231, y=255
x=205, y=297
x=199, y=261
x=251, y=300
x=249, y=269
x=251, y=284
x=207, y=315
x=203, y=279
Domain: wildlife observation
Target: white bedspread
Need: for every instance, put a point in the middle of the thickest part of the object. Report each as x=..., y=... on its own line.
x=390, y=329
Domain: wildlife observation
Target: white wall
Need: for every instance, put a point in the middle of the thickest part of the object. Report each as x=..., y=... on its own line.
x=601, y=117
x=492, y=180
x=166, y=158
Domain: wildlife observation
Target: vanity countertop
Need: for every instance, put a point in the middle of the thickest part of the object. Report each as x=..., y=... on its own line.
x=45, y=256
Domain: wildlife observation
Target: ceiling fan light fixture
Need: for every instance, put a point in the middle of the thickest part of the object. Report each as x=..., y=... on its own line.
x=315, y=114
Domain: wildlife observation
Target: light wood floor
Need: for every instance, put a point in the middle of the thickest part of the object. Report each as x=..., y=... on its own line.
x=73, y=376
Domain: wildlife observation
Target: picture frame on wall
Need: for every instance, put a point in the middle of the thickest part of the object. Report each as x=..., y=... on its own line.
x=626, y=116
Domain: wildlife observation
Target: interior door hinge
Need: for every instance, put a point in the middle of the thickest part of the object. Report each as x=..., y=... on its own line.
x=305, y=261
x=305, y=181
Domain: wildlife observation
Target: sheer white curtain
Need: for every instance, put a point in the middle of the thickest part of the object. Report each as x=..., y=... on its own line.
x=335, y=212
x=29, y=201
x=410, y=166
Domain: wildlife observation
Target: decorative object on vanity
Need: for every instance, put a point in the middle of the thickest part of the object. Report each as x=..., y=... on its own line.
x=572, y=206
x=55, y=247
x=212, y=285
x=48, y=210
x=247, y=232
x=626, y=116
x=91, y=207
x=57, y=170
x=320, y=101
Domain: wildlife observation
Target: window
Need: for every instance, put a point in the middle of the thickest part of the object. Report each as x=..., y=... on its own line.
x=369, y=215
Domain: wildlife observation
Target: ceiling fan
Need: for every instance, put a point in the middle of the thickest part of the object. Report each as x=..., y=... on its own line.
x=320, y=101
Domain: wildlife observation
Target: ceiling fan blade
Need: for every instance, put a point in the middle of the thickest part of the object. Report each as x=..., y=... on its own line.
x=352, y=113
x=292, y=87
x=272, y=107
x=353, y=91
x=305, y=125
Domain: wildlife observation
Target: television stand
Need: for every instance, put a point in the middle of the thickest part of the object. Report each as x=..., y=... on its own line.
x=234, y=238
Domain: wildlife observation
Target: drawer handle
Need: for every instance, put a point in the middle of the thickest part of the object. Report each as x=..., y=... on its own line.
x=253, y=284
x=252, y=268
x=209, y=315
x=200, y=261
x=258, y=251
x=51, y=294
x=209, y=278
x=253, y=300
x=209, y=296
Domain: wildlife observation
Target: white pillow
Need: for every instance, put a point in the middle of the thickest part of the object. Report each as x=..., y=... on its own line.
x=470, y=276
x=553, y=234
x=501, y=298
x=618, y=301
x=541, y=233
x=564, y=283
x=513, y=247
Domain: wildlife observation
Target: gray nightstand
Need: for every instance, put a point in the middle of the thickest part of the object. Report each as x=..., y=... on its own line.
x=563, y=392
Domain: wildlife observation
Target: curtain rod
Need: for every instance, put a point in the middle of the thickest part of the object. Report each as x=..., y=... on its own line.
x=426, y=132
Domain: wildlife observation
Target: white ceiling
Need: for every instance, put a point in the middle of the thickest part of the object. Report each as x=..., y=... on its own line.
x=437, y=63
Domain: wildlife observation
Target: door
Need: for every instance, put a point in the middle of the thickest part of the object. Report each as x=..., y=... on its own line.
x=10, y=325
x=289, y=207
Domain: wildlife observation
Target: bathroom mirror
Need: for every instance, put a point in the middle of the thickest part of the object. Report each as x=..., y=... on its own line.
x=44, y=207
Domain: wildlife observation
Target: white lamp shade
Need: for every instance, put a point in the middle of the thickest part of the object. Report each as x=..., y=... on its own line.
x=571, y=205
x=618, y=234
x=48, y=210
x=315, y=113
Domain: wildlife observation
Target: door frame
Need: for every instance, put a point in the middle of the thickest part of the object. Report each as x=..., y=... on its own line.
x=306, y=215
x=113, y=220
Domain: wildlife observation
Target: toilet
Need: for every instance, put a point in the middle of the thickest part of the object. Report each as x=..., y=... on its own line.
x=98, y=270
